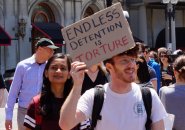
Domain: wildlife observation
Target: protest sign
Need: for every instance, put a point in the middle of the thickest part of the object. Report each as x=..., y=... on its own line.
x=99, y=36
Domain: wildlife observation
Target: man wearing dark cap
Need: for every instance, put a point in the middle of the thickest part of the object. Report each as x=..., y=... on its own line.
x=27, y=82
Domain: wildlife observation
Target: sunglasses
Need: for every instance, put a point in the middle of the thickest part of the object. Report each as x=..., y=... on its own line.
x=165, y=56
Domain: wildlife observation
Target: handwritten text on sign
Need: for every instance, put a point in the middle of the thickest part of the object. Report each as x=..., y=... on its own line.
x=98, y=37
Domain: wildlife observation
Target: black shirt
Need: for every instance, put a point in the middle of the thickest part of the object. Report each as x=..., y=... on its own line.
x=88, y=83
x=169, y=70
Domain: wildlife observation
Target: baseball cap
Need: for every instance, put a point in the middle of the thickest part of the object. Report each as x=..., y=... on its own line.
x=44, y=42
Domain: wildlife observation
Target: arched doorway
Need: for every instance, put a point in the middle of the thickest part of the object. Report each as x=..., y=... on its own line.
x=41, y=14
x=44, y=25
x=180, y=39
x=91, y=9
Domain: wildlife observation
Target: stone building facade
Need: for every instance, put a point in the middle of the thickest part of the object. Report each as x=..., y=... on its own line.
x=28, y=20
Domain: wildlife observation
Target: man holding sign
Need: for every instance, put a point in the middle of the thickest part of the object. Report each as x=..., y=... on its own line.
x=123, y=107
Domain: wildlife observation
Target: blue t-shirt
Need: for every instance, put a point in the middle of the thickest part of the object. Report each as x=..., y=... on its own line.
x=157, y=69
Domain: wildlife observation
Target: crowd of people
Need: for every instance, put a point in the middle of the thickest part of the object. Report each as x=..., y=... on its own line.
x=54, y=92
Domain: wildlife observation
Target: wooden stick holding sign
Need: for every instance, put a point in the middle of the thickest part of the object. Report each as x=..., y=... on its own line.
x=99, y=36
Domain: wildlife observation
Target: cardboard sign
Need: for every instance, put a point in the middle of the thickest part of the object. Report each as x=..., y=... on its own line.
x=99, y=36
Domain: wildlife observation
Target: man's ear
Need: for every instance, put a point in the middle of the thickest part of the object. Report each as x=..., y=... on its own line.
x=108, y=66
x=175, y=72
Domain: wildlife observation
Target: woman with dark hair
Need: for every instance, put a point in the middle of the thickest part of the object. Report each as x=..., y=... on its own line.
x=143, y=75
x=43, y=112
x=95, y=75
x=173, y=96
x=167, y=75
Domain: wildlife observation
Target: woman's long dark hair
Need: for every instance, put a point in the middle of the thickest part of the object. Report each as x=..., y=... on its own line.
x=142, y=72
x=47, y=95
x=165, y=51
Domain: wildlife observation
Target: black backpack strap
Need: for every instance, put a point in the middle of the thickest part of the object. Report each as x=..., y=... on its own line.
x=97, y=106
x=147, y=99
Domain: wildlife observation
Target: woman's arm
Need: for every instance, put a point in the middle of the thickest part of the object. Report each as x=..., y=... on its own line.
x=69, y=117
x=159, y=125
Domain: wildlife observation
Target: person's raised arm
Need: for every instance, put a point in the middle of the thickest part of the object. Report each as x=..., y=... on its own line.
x=159, y=125
x=69, y=117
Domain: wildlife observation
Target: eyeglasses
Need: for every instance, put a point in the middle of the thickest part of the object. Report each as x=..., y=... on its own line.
x=126, y=61
x=165, y=56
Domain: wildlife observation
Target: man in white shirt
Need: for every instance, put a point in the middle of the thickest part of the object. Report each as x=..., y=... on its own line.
x=123, y=107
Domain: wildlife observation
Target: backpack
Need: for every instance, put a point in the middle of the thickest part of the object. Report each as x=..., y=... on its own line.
x=99, y=99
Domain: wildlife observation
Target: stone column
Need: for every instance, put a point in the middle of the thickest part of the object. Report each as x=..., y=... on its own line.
x=10, y=59
x=170, y=27
x=143, y=24
x=23, y=46
x=68, y=12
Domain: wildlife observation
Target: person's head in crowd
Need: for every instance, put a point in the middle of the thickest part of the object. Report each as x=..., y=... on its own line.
x=123, y=66
x=179, y=69
x=56, y=76
x=143, y=50
x=143, y=75
x=164, y=55
x=153, y=55
x=44, y=50
x=146, y=53
x=177, y=53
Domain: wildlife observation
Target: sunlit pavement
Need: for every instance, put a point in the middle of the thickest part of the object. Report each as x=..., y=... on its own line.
x=2, y=118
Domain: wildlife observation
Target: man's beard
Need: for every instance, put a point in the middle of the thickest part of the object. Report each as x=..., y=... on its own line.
x=128, y=79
